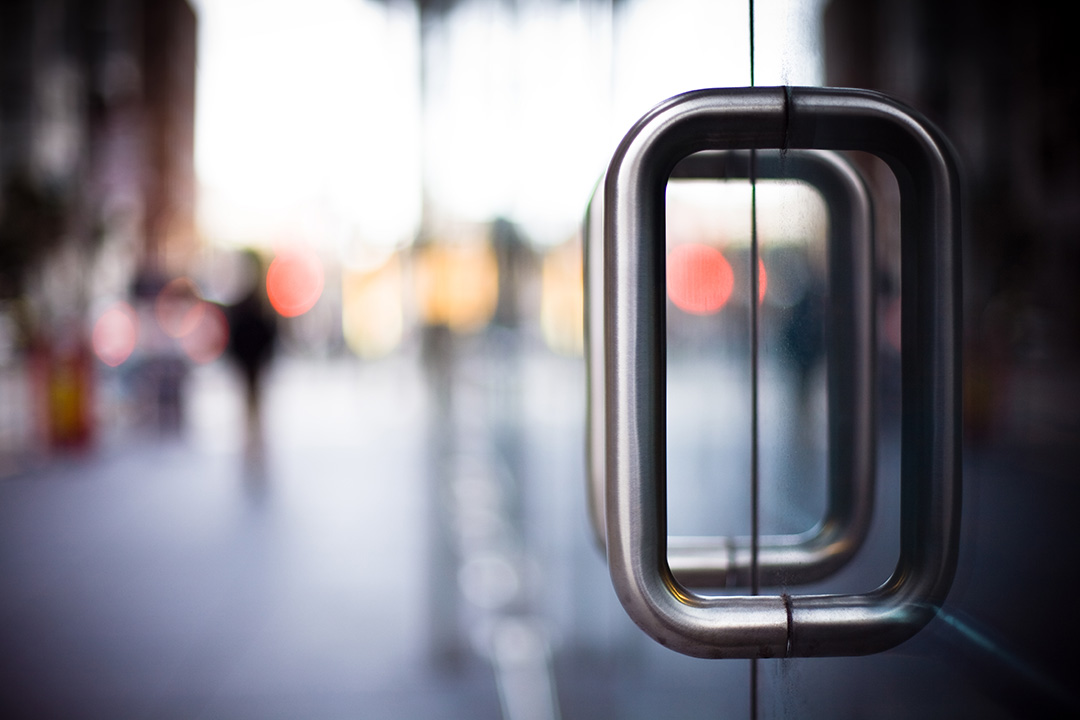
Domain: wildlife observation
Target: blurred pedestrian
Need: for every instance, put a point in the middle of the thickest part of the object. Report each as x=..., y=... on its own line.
x=803, y=341
x=252, y=337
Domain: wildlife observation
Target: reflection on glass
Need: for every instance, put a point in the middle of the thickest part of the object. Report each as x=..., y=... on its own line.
x=699, y=277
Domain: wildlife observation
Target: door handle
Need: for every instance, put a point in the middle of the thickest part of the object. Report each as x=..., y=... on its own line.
x=797, y=559
x=923, y=162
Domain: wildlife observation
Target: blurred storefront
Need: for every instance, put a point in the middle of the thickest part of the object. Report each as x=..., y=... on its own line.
x=97, y=187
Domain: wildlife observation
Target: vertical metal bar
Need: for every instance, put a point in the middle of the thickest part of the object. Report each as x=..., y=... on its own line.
x=755, y=488
x=755, y=462
x=755, y=480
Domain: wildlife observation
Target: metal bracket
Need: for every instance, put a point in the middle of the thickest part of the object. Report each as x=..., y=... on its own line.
x=635, y=373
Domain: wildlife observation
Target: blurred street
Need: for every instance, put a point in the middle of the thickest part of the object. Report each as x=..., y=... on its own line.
x=171, y=578
x=372, y=563
x=160, y=576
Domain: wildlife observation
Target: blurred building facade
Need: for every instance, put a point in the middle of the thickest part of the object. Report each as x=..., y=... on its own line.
x=97, y=184
x=997, y=80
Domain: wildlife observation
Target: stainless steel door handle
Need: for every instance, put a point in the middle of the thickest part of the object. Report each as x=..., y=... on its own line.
x=716, y=562
x=635, y=373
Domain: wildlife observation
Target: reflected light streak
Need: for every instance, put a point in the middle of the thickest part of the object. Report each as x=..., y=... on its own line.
x=763, y=280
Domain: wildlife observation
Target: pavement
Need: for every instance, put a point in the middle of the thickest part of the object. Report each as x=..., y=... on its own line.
x=409, y=543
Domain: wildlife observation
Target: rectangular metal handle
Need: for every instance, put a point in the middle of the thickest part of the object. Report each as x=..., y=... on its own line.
x=635, y=373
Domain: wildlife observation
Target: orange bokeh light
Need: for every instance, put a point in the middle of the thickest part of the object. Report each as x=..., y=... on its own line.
x=699, y=278
x=762, y=279
x=294, y=281
x=115, y=334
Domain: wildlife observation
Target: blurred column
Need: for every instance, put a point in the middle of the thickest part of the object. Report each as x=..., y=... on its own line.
x=169, y=52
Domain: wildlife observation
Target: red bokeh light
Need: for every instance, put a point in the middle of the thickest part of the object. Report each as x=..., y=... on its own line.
x=210, y=336
x=115, y=334
x=178, y=307
x=294, y=281
x=699, y=278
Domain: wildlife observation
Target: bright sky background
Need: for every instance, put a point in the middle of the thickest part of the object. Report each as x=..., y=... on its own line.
x=309, y=122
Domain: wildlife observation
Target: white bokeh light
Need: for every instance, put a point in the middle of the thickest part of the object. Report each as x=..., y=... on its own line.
x=310, y=120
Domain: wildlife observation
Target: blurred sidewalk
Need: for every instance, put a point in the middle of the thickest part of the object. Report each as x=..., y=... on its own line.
x=370, y=566
x=169, y=578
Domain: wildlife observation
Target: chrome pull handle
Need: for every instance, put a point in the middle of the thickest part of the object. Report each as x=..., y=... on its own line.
x=635, y=374
x=715, y=562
